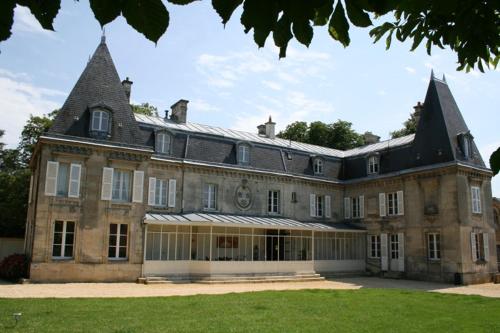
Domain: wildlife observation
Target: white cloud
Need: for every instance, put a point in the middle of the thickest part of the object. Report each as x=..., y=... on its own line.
x=202, y=106
x=486, y=152
x=410, y=70
x=272, y=85
x=25, y=22
x=18, y=99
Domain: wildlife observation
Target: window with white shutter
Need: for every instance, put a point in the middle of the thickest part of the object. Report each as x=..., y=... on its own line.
x=476, y=200
x=74, y=180
x=138, y=189
x=381, y=204
x=361, y=206
x=400, y=203
x=152, y=191
x=328, y=206
x=401, y=250
x=51, y=178
x=384, y=255
x=347, y=208
x=312, y=205
x=473, y=246
x=107, y=183
x=172, y=183
x=486, y=247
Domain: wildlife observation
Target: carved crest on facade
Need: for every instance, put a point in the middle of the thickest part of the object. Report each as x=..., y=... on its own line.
x=243, y=196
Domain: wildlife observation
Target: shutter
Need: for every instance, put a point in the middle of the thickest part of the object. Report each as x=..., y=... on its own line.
x=381, y=204
x=328, y=206
x=473, y=199
x=138, y=191
x=401, y=251
x=74, y=180
x=368, y=246
x=486, y=247
x=478, y=191
x=51, y=178
x=401, y=203
x=30, y=194
x=312, y=205
x=361, y=206
x=152, y=191
x=384, y=255
x=171, y=192
x=347, y=208
x=473, y=246
x=107, y=183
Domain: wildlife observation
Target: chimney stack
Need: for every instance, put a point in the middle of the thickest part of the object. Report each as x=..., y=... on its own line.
x=370, y=138
x=270, y=125
x=179, y=111
x=418, y=110
x=127, y=86
x=261, y=130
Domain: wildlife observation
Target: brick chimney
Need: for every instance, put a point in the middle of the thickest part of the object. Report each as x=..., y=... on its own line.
x=179, y=111
x=418, y=111
x=127, y=86
x=270, y=127
x=370, y=138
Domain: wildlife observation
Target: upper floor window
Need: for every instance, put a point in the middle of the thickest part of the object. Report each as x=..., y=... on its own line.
x=63, y=179
x=433, y=246
x=373, y=165
x=100, y=121
x=391, y=204
x=319, y=205
x=163, y=143
x=210, y=196
x=465, y=141
x=392, y=199
x=480, y=246
x=273, y=203
x=356, y=209
x=161, y=192
x=318, y=166
x=121, y=185
x=243, y=154
x=64, y=239
x=476, y=199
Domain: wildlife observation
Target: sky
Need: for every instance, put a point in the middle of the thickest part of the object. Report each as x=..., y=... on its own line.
x=232, y=83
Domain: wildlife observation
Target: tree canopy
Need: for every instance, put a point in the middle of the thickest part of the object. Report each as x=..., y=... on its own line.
x=145, y=108
x=469, y=28
x=34, y=127
x=409, y=127
x=338, y=135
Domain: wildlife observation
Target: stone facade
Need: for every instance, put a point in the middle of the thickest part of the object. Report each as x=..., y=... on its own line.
x=430, y=197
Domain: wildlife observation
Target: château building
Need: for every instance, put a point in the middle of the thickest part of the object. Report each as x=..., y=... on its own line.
x=116, y=196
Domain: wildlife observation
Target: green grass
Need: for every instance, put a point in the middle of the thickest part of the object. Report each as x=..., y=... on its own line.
x=365, y=310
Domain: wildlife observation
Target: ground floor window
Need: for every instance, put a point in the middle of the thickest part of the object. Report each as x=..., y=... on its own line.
x=64, y=238
x=433, y=246
x=118, y=234
x=339, y=246
x=394, y=246
x=374, y=246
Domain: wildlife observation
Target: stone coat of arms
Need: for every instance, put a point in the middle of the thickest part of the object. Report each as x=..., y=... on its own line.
x=243, y=196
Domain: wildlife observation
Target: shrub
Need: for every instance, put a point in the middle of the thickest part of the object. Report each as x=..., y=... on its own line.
x=14, y=267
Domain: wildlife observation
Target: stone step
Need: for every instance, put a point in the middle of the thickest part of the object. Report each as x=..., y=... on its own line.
x=215, y=279
x=277, y=280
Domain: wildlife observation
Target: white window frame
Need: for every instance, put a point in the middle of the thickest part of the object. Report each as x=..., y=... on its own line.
x=375, y=247
x=163, y=142
x=274, y=202
x=120, y=173
x=318, y=166
x=161, y=192
x=63, y=244
x=210, y=196
x=100, y=114
x=118, y=245
x=476, y=199
x=434, y=246
x=394, y=248
x=319, y=206
x=392, y=204
x=355, y=208
x=243, y=154
x=373, y=165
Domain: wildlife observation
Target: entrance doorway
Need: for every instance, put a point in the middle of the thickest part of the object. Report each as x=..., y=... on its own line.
x=275, y=249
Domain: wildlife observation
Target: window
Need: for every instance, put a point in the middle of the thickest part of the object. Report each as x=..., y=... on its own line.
x=373, y=165
x=117, y=241
x=356, y=211
x=100, y=121
x=319, y=205
x=161, y=192
x=392, y=199
x=243, y=154
x=163, y=143
x=375, y=246
x=318, y=166
x=294, y=197
x=210, y=196
x=273, y=203
x=62, y=180
x=64, y=238
x=394, y=246
x=433, y=246
x=476, y=200
x=479, y=248
x=121, y=185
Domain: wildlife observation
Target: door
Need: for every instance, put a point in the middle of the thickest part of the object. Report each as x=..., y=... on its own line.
x=396, y=252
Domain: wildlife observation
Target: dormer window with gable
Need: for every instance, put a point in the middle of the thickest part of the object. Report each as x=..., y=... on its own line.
x=100, y=122
x=465, y=141
x=163, y=142
x=318, y=165
x=373, y=165
x=243, y=154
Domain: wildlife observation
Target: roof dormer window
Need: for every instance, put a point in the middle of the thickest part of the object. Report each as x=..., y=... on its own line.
x=318, y=166
x=100, y=121
x=465, y=141
x=163, y=142
x=373, y=165
x=243, y=154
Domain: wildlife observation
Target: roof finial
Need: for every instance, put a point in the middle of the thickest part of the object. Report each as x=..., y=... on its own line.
x=270, y=119
x=444, y=78
x=103, y=37
x=432, y=74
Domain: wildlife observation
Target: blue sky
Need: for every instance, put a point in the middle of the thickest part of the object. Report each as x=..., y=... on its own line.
x=230, y=82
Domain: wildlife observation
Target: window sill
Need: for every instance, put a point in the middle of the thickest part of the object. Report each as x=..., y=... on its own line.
x=434, y=261
x=63, y=259
x=118, y=260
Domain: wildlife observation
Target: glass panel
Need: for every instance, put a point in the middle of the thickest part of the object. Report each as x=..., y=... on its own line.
x=58, y=226
x=68, y=251
x=112, y=240
x=70, y=226
x=69, y=238
x=123, y=228
x=112, y=252
x=104, y=122
x=112, y=228
x=56, y=251
x=122, y=252
x=149, y=246
x=57, y=238
x=63, y=179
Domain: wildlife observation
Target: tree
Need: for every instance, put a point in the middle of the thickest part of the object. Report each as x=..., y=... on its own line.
x=410, y=127
x=338, y=135
x=495, y=162
x=145, y=108
x=35, y=127
x=469, y=28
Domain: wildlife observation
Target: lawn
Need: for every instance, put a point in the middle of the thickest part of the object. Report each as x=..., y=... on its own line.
x=365, y=310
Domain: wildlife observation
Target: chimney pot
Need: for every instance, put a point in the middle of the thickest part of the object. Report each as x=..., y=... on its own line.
x=370, y=138
x=418, y=111
x=127, y=85
x=179, y=111
x=270, y=128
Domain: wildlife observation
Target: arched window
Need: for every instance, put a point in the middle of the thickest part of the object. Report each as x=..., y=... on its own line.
x=318, y=166
x=243, y=154
x=163, y=142
x=100, y=121
x=373, y=165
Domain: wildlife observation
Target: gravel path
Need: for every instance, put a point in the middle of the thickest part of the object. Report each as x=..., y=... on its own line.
x=67, y=290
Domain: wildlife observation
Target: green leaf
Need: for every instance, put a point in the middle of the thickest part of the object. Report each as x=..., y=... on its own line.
x=323, y=12
x=6, y=18
x=357, y=16
x=225, y=8
x=339, y=27
x=149, y=17
x=303, y=31
x=282, y=34
x=106, y=11
x=495, y=162
x=44, y=10
x=260, y=36
x=181, y=2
